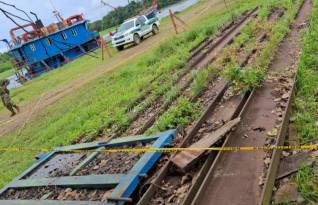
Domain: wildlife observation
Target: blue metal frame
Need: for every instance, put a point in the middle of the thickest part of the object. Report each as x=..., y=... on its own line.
x=124, y=185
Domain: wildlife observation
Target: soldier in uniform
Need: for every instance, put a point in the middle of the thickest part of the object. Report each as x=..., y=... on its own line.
x=5, y=97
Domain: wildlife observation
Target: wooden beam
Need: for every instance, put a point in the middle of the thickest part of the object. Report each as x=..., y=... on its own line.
x=291, y=164
x=173, y=21
x=185, y=159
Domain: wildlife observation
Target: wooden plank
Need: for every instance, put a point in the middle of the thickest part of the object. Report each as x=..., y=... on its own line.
x=93, y=181
x=185, y=159
x=48, y=202
x=291, y=164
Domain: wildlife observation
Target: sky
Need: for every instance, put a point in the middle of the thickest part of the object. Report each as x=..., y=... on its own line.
x=92, y=9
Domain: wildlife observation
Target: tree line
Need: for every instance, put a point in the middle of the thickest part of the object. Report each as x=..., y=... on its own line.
x=119, y=15
x=5, y=63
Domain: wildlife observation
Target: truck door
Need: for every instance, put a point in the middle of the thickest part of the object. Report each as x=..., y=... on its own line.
x=144, y=27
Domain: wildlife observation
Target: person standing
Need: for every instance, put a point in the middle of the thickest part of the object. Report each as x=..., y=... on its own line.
x=5, y=97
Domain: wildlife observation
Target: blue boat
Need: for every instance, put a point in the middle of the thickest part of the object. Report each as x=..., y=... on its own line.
x=40, y=49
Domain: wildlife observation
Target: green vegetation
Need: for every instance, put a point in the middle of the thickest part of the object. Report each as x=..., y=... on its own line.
x=251, y=76
x=307, y=185
x=6, y=74
x=116, y=17
x=228, y=59
x=57, y=77
x=5, y=63
x=104, y=101
x=306, y=103
x=306, y=106
x=180, y=115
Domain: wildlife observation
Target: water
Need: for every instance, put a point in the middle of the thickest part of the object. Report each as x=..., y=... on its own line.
x=177, y=7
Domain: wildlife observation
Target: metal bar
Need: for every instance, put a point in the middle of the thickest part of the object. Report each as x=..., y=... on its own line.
x=211, y=158
x=93, y=181
x=272, y=171
x=130, y=181
x=86, y=161
x=114, y=142
x=47, y=202
x=224, y=85
x=120, y=199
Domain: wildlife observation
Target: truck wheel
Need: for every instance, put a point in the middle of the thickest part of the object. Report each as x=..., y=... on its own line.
x=120, y=48
x=155, y=29
x=137, y=39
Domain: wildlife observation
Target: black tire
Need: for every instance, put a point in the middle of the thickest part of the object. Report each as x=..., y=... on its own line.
x=120, y=48
x=155, y=29
x=137, y=39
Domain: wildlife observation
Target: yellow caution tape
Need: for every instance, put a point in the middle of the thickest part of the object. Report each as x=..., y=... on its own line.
x=189, y=149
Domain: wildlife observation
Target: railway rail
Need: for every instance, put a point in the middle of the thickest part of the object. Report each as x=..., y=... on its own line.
x=232, y=175
x=200, y=57
x=214, y=175
x=193, y=189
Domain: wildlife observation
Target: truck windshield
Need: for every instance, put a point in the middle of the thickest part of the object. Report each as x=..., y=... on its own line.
x=127, y=25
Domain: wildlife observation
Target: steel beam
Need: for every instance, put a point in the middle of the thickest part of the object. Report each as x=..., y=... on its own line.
x=93, y=181
x=114, y=142
x=129, y=182
x=47, y=202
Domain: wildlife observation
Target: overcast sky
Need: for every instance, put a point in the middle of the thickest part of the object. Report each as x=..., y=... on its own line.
x=92, y=10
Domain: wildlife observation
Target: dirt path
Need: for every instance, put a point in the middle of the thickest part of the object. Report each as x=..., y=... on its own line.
x=31, y=109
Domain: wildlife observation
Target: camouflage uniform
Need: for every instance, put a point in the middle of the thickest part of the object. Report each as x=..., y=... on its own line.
x=5, y=97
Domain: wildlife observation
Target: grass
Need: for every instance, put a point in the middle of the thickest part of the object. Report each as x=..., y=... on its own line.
x=228, y=60
x=254, y=73
x=307, y=185
x=60, y=77
x=101, y=102
x=306, y=105
x=56, y=78
x=105, y=101
x=180, y=115
x=306, y=102
x=6, y=74
x=106, y=31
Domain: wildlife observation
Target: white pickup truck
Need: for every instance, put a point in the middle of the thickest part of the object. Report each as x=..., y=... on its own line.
x=134, y=29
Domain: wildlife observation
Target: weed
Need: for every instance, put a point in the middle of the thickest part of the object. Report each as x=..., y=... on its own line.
x=254, y=73
x=180, y=115
x=201, y=80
